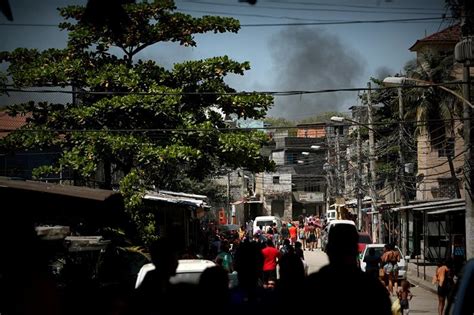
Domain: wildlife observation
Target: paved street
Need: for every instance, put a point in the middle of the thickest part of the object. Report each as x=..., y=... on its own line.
x=423, y=302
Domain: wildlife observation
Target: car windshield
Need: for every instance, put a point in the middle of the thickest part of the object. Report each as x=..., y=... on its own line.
x=264, y=223
x=364, y=238
x=186, y=277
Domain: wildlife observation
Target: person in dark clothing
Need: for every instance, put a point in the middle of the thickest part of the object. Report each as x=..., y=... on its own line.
x=299, y=250
x=372, y=263
x=328, y=283
x=155, y=293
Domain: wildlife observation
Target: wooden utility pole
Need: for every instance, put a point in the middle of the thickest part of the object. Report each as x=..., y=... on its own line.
x=373, y=174
x=464, y=54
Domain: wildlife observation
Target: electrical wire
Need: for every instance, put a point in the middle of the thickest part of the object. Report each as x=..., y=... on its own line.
x=348, y=22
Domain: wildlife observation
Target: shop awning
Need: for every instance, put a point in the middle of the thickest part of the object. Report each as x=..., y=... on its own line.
x=177, y=199
x=448, y=210
x=435, y=204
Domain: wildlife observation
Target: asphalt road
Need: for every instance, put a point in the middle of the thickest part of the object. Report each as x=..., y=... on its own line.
x=423, y=302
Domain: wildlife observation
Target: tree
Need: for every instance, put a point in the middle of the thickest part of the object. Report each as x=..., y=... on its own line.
x=435, y=108
x=148, y=125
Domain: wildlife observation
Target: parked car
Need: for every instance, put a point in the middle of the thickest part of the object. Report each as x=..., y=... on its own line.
x=188, y=271
x=402, y=264
x=364, y=239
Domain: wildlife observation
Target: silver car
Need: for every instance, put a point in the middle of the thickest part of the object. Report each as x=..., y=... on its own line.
x=402, y=264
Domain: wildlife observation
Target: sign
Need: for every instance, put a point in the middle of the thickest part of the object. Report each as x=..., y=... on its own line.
x=309, y=196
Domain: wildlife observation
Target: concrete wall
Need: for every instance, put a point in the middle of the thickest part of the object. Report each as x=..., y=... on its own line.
x=270, y=191
x=434, y=167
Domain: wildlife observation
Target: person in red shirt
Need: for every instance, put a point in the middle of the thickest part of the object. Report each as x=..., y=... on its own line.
x=270, y=260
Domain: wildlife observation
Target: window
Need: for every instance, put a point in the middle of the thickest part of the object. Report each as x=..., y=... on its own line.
x=291, y=158
x=447, y=188
x=311, y=187
x=276, y=179
x=447, y=149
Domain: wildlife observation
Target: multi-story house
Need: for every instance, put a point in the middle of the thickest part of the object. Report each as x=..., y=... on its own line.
x=304, y=178
x=433, y=224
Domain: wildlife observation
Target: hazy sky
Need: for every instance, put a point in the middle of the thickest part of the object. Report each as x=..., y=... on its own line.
x=311, y=57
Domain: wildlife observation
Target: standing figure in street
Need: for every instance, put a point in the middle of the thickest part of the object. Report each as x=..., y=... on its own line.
x=311, y=238
x=390, y=259
x=328, y=283
x=372, y=262
x=404, y=296
x=270, y=261
x=302, y=235
x=444, y=281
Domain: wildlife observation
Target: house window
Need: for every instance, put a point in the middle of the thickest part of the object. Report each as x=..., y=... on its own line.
x=447, y=149
x=447, y=188
x=276, y=179
x=291, y=158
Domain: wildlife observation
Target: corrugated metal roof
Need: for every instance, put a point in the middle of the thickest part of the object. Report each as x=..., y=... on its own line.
x=65, y=190
x=159, y=196
x=430, y=205
x=447, y=210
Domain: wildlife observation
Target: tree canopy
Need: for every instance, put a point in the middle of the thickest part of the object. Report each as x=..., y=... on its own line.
x=139, y=122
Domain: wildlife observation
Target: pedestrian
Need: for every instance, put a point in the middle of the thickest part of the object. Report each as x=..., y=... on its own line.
x=302, y=235
x=404, y=295
x=311, y=238
x=293, y=233
x=372, y=263
x=327, y=285
x=444, y=282
x=270, y=260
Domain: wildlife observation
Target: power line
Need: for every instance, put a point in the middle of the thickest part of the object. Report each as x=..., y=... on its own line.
x=344, y=10
x=428, y=19
x=350, y=5
x=274, y=93
x=257, y=15
x=407, y=20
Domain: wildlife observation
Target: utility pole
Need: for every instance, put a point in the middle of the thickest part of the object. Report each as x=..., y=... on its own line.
x=338, y=166
x=401, y=171
x=359, y=176
x=373, y=195
x=228, y=208
x=464, y=54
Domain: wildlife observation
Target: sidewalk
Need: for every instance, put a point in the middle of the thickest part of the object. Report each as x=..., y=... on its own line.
x=423, y=276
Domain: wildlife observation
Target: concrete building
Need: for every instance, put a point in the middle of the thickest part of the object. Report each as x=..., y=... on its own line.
x=300, y=185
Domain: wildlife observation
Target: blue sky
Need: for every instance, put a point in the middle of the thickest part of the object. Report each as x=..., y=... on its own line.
x=282, y=57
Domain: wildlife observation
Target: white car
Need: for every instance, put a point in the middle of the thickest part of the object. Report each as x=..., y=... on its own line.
x=402, y=264
x=188, y=271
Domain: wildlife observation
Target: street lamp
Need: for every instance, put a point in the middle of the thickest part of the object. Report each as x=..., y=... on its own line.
x=400, y=82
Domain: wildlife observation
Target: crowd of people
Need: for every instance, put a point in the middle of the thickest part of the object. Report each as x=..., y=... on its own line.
x=259, y=290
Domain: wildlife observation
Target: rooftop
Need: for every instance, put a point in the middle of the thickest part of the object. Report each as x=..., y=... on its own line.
x=450, y=35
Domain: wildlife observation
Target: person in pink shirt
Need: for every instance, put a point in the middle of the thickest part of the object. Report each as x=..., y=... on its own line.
x=270, y=260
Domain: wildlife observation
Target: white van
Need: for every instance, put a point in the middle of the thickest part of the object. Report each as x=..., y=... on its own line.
x=265, y=221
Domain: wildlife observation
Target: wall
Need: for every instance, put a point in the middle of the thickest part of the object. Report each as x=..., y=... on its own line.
x=433, y=167
x=271, y=192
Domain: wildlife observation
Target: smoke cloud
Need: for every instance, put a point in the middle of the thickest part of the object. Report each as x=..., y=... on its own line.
x=312, y=59
x=383, y=72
